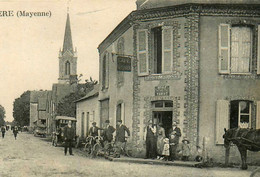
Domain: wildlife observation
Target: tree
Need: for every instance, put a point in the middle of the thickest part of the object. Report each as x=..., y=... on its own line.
x=67, y=106
x=2, y=115
x=21, y=109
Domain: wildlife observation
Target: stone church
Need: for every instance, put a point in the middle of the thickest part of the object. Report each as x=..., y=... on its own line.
x=43, y=104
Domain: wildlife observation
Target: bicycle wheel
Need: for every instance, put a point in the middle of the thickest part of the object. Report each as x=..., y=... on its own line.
x=87, y=148
x=96, y=149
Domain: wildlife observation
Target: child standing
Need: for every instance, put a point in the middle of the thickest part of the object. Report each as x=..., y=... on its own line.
x=166, y=149
x=173, y=141
x=185, y=149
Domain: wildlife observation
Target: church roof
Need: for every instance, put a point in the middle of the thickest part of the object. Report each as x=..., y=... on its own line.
x=67, y=43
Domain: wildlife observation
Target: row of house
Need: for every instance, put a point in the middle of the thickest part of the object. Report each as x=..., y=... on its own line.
x=195, y=62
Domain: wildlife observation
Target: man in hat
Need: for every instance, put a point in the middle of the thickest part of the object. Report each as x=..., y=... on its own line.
x=108, y=135
x=151, y=140
x=176, y=131
x=120, y=137
x=93, y=131
x=69, y=136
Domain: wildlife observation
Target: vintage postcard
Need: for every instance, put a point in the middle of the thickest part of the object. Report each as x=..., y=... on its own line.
x=130, y=88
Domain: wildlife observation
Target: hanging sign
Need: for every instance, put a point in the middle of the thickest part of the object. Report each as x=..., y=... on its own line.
x=124, y=64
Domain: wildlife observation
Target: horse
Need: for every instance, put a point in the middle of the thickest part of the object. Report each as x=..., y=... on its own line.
x=245, y=139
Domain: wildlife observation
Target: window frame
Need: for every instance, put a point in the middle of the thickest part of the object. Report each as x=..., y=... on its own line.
x=228, y=48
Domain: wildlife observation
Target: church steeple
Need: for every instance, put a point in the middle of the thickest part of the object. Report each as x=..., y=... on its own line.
x=67, y=43
x=67, y=58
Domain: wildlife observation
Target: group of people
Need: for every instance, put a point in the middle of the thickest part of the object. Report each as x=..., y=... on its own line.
x=4, y=129
x=108, y=136
x=162, y=146
x=159, y=145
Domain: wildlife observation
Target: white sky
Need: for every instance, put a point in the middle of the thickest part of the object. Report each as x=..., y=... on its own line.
x=29, y=46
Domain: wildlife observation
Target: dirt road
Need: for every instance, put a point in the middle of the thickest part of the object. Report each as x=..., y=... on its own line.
x=32, y=156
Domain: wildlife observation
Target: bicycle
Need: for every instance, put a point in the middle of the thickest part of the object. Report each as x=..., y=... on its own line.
x=98, y=147
x=90, y=142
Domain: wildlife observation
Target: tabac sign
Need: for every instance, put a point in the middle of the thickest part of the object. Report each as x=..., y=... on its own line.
x=123, y=64
x=162, y=91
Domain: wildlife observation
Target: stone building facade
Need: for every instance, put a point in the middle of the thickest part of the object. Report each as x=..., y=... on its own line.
x=194, y=63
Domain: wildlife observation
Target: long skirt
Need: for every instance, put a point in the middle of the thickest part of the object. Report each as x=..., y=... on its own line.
x=160, y=145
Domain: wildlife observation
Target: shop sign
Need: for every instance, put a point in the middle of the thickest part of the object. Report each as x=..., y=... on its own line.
x=162, y=91
x=123, y=64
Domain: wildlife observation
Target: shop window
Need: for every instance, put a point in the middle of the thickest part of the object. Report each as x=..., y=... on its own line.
x=235, y=49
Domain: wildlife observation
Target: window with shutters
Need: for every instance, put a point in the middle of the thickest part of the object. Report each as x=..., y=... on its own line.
x=162, y=49
x=240, y=114
x=235, y=49
x=142, y=52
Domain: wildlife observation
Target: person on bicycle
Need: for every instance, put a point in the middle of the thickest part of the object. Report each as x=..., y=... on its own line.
x=120, y=138
x=108, y=135
x=93, y=131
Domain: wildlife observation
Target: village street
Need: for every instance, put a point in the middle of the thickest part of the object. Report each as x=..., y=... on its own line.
x=32, y=156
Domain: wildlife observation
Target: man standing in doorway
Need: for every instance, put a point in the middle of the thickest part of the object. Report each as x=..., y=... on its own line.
x=69, y=136
x=108, y=136
x=120, y=137
x=176, y=131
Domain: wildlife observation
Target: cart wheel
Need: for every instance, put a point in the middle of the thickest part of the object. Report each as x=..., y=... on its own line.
x=96, y=149
x=87, y=148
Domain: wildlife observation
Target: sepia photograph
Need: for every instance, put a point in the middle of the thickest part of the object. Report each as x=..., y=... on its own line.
x=135, y=88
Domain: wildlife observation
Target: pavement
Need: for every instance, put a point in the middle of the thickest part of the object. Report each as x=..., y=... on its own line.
x=154, y=162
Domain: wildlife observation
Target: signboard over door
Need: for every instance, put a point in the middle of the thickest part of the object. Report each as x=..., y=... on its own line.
x=123, y=64
x=162, y=91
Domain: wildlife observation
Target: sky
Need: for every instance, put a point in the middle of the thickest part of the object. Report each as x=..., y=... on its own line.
x=29, y=47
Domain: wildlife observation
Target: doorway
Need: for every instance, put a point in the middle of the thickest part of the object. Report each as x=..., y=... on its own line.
x=164, y=117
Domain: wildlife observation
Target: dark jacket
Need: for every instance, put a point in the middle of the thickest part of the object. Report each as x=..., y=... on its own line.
x=69, y=133
x=175, y=140
x=178, y=133
x=120, y=133
x=108, y=133
x=93, y=131
x=150, y=134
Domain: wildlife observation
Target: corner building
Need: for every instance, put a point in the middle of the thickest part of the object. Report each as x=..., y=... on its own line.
x=195, y=63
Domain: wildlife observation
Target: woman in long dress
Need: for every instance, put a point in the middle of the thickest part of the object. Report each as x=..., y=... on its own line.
x=160, y=142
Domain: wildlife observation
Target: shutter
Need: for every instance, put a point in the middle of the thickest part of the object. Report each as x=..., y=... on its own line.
x=222, y=119
x=142, y=52
x=258, y=51
x=224, y=48
x=123, y=112
x=258, y=115
x=167, y=49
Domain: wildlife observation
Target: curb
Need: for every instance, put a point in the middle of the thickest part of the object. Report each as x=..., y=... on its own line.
x=153, y=162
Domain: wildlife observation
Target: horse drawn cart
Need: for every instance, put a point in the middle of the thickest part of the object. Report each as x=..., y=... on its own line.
x=61, y=122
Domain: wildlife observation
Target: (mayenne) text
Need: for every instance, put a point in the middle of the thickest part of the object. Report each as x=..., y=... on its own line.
x=33, y=14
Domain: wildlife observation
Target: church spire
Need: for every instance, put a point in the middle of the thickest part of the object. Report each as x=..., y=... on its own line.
x=67, y=43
